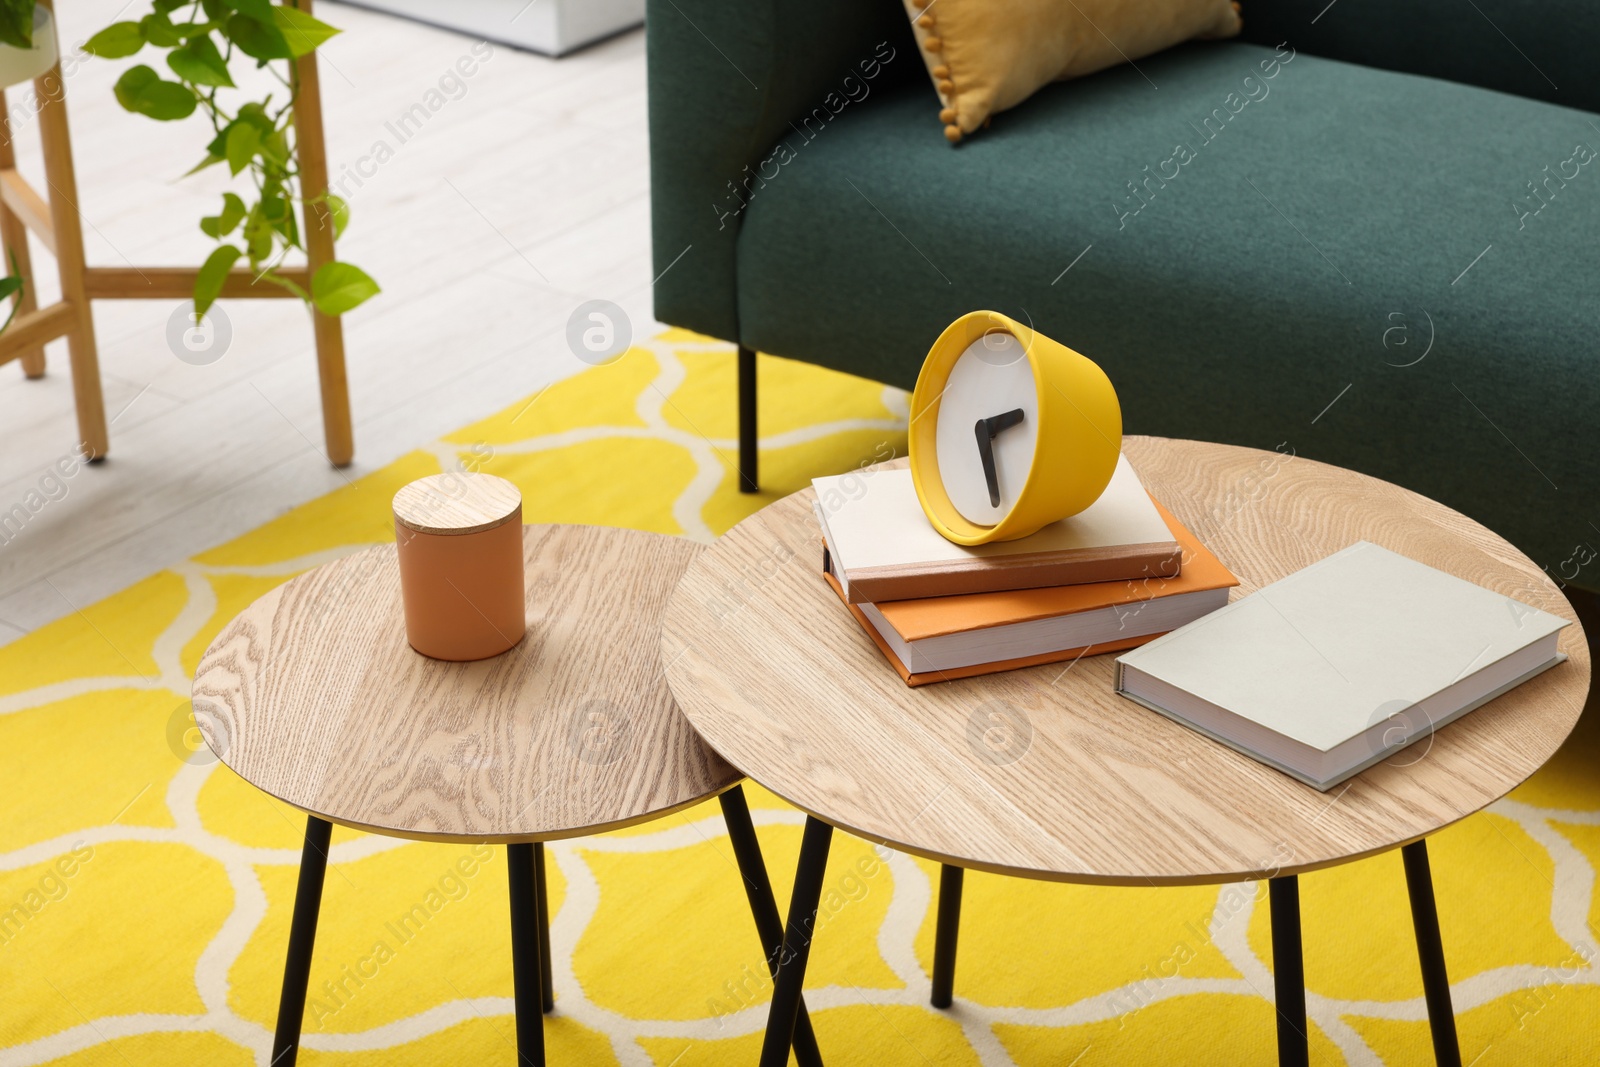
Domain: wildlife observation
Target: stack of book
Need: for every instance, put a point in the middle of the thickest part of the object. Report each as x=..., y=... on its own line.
x=1113, y=577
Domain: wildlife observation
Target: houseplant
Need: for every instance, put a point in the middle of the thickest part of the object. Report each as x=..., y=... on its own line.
x=27, y=41
x=27, y=50
x=204, y=42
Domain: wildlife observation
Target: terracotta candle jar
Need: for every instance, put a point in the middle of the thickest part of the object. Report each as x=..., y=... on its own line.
x=459, y=537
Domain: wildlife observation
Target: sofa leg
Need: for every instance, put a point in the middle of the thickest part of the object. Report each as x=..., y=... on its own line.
x=749, y=476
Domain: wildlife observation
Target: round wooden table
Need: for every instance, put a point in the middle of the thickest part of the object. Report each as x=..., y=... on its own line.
x=1048, y=773
x=313, y=695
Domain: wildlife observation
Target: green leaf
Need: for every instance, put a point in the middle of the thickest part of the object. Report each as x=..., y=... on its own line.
x=288, y=227
x=275, y=147
x=232, y=212
x=341, y=215
x=278, y=213
x=167, y=101
x=210, y=161
x=189, y=30
x=159, y=31
x=213, y=273
x=116, y=41
x=258, y=40
x=258, y=236
x=255, y=113
x=12, y=284
x=200, y=62
x=260, y=10
x=303, y=32
x=243, y=140
x=219, y=226
x=16, y=24
x=339, y=287
x=142, y=91
x=134, y=80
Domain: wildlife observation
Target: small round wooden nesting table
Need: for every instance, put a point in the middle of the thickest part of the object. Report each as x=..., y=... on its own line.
x=313, y=695
x=1047, y=773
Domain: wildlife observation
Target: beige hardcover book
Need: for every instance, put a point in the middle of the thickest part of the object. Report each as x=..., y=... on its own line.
x=1337, y=666
x=884, y=547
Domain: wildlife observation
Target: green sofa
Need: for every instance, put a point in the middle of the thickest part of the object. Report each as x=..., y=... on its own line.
x=1384, y=256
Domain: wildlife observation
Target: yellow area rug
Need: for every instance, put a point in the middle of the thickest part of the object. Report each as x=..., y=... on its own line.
x=145, y=891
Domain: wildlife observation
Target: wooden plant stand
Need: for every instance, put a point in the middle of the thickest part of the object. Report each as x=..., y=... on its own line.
x=56, y=223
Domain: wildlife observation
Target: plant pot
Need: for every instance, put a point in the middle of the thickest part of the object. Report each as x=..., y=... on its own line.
x=18, y=65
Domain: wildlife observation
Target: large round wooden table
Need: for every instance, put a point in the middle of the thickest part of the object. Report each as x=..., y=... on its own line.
x=313, y=695
x=790, y=691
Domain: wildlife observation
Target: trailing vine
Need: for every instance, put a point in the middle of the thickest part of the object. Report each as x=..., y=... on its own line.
x=203, y=40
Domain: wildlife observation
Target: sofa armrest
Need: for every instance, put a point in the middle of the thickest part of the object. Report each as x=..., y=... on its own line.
x=728, y=79
x=1536, y=48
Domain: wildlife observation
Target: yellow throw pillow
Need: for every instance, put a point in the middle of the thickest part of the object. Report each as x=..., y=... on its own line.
x=988, y=55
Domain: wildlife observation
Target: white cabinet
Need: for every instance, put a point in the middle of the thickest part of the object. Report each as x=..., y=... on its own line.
x=554, y=27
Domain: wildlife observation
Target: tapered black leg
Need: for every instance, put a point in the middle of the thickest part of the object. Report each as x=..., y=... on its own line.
x=1430, y=950
x=791, y=974
x=764, y=907
x=525, y=965
x=302, y=936
x=547, y=984
x=749, y=476
x=1289, y=973
x=944, y=937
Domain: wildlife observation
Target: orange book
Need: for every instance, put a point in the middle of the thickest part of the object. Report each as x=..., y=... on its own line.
x=940, y=638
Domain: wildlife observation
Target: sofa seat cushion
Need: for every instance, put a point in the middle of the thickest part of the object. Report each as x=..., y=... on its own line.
x=1350, y=263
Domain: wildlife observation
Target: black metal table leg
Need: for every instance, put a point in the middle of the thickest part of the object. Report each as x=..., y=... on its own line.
x=1289, y=973
x=547, y=985
x=1430, y=952
x=791, y=974
x=749, y=479
x=302, y=936
x=525, y=955
x=944, y=937
x=764, y=907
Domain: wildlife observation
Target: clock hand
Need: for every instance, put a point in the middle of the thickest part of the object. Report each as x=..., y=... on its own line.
x=985, y=430
x=986, y=454
x=1004, y=421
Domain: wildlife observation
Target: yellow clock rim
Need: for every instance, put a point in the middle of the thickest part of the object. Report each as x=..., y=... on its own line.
x=1043, y=499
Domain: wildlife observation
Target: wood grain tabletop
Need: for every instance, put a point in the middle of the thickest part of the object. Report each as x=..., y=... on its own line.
x=1046, y=772
x=313, y=695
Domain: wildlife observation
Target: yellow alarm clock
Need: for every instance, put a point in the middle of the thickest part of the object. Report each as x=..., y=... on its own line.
x=1010, y=431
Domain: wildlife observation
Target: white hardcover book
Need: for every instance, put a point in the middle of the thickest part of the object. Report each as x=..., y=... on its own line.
x=884, y=547
x=1337, y=666
x=1037, y=637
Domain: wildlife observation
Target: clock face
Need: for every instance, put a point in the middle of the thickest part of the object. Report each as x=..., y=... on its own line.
x=987, y=427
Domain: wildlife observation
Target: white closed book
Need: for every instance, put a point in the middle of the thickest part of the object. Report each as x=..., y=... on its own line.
x=884, y=548
x=1337, y=666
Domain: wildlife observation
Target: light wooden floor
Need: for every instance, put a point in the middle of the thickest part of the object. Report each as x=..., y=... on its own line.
x=521, y=197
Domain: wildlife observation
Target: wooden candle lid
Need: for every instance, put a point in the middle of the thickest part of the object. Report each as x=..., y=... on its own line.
x=460, y=502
